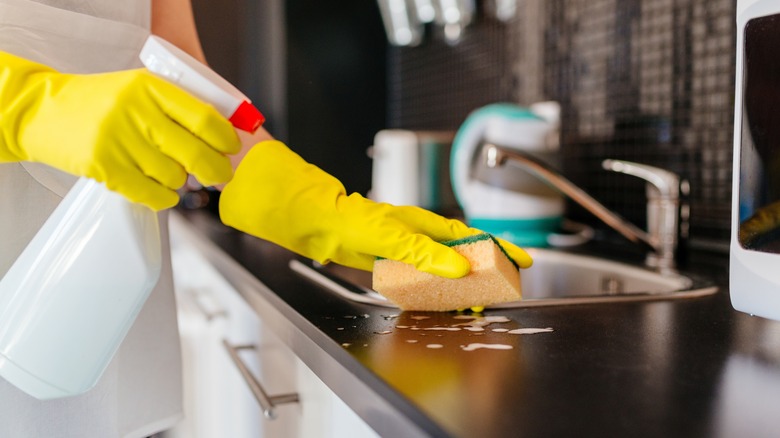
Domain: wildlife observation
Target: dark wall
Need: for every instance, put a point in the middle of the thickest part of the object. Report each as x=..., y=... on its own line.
x=650, y=81
x=316, y=69
x=336, y=94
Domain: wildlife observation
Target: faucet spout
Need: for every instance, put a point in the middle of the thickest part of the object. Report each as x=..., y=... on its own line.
x=496, y=156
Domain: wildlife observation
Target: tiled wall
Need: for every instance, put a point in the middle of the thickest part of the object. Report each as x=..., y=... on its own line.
x=649, y=81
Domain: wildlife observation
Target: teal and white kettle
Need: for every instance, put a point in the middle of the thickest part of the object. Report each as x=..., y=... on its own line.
x=509, y=203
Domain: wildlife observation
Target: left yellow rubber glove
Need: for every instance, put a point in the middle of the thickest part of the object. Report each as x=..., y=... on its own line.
x=279, y=197
x=137, y=133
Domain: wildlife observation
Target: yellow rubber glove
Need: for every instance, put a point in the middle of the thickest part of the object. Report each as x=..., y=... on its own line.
x=137, y=133
x=277, y=196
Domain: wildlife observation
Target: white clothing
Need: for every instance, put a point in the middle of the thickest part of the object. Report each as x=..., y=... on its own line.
x=141, y=391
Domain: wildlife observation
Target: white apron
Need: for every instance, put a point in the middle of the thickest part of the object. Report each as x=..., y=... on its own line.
x=140, y=393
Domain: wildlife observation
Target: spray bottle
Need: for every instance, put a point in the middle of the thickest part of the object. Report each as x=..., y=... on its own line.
x=70, y=298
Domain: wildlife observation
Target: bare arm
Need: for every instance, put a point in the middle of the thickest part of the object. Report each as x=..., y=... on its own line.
x=173, y=21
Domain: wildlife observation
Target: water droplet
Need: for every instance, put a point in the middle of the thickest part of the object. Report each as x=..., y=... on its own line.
x=477, y=346
x=530, y=331
x=480, y=321
x=446, y=329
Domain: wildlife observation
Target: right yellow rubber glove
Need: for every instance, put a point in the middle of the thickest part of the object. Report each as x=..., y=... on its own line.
x=137, y=133
x=279, y=197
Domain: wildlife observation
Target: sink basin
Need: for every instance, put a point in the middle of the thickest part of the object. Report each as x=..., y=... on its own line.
x=556, y=278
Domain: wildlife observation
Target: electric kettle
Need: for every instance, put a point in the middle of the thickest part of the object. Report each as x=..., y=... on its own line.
x=509, y=203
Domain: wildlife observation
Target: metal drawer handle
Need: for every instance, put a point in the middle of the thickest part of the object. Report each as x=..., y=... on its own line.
x=197, y=295
x=267, y=403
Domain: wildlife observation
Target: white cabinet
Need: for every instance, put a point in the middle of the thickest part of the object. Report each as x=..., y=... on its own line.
x=217, y=402
x=319, y=413
x=218, y=399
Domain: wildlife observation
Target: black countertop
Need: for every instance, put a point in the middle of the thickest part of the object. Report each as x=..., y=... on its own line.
x=679, y=368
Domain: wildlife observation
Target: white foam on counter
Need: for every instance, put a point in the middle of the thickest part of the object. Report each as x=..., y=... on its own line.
x=477, y=346
x=530, y=331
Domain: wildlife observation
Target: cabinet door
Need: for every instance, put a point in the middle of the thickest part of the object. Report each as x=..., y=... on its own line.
x=323, y=413
x=319, y=413
x=217, y=401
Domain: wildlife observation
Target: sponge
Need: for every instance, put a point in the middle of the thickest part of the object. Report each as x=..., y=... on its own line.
x=494, y=278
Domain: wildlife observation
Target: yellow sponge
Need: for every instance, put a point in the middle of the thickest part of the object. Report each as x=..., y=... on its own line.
x=494, y=278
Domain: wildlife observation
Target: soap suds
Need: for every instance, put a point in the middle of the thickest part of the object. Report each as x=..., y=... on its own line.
x=477, y=346
x=480, y=321
x=446, y=329
x=530, y=331
x=475, y=324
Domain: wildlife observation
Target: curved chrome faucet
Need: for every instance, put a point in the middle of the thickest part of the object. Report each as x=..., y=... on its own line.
x=663, y=190
x=667, y=218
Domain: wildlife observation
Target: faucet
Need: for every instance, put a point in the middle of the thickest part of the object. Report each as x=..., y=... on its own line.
x=664, y=211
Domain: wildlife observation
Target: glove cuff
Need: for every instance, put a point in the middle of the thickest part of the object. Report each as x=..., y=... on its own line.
x=16, y=76
x=273, y=187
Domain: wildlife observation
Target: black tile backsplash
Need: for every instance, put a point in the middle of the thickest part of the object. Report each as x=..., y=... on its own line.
x=650, y=81
x=434, y=86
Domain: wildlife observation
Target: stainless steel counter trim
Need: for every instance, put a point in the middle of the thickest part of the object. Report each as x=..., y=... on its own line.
x=355, y=294
x=321, y=279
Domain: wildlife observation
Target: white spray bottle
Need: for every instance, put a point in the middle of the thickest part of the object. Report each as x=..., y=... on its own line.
x=70, y=298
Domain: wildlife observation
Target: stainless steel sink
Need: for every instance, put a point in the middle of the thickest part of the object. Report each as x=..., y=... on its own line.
x=556, y=278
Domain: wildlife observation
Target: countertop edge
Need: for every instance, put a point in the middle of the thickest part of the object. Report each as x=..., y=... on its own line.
x=388, y=413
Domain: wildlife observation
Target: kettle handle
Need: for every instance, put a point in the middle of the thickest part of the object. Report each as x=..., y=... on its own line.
x=509, y=125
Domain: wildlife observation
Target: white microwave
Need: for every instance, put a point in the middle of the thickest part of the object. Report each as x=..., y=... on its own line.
x=755, y=222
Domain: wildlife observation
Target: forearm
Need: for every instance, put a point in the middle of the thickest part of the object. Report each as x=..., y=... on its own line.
x=248, y=141
x=174, y=21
